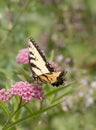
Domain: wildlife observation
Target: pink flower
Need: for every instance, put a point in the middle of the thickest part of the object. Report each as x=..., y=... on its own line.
x=55, y=66
x=22, y=56
x=23, y=89
x=59, y=58
x=4, y=95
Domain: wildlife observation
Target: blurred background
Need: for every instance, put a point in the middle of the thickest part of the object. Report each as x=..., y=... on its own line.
x=66, y=31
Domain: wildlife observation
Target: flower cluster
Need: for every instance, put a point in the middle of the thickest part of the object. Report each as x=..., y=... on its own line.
x=23, y=89
x=4, y=95
x=22, y=56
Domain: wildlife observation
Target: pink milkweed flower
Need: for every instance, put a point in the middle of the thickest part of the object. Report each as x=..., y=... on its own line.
x=59, y=58
x=23, y=89
x=22, y=56
x=55, y=66
x=4, y=95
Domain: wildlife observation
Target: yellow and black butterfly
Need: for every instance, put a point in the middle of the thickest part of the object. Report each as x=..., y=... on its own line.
x=40, y=68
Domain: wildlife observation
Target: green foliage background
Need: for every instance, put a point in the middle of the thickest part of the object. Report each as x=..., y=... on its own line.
x=64, y=28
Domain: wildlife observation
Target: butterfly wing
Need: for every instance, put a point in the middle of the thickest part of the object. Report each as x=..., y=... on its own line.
x=37, y=60
x=55, y=78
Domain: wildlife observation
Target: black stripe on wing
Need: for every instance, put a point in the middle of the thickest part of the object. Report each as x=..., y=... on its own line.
x=50, y=68
x=34, y=66
x=31, y=57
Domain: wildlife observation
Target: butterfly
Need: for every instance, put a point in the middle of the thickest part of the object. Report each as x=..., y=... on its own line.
x=40, y=68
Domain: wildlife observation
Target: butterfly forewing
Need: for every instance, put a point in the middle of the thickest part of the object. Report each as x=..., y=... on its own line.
x=37, y=59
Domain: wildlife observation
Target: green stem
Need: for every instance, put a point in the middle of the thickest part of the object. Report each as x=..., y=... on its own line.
x=19, y=106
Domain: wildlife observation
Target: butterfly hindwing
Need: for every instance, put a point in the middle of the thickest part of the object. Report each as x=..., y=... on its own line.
x=55, y=78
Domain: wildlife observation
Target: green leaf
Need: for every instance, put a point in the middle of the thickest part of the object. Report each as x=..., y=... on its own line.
x=6, y=72
x=66, y=92
x=5, y=109
x=55, y=90
x=32, y=115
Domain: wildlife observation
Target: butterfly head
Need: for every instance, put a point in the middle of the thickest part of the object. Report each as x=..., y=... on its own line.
x=60, y=79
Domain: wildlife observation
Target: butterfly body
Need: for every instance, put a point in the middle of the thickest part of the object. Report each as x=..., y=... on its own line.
x=55, y=78
x=40, y=68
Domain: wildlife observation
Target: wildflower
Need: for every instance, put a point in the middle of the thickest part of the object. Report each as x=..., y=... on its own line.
x=80, y=94
x=22, y=56
x=4, y=95
x=59, y=58
x=55, y=66
x=93, y=84
x=23, y=89
x=84, y=81
x=69, y=61
x=89, y=100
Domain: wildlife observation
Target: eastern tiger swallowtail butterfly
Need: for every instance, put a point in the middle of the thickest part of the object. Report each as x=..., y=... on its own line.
x=40, y=68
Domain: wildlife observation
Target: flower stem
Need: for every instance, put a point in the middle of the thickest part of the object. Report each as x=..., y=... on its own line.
x=7, y=122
